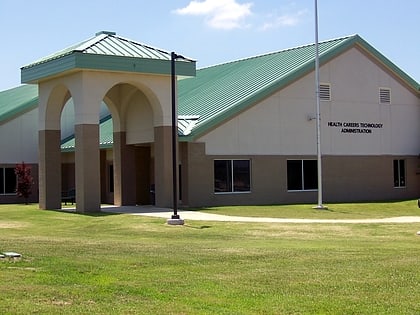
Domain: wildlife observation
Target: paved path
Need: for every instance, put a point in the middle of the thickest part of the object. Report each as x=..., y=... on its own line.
x=165, y=213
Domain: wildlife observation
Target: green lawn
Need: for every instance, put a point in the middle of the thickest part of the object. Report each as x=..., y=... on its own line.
x=334, y=211
x=122, y=264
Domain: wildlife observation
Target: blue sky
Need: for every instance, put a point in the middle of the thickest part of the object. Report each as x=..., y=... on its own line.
x=210, y=31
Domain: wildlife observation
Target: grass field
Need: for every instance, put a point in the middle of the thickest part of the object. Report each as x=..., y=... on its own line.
x=122, y=264
x=334, y=211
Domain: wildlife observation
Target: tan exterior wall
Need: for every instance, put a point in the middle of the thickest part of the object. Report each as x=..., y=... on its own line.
x=279, y=124
x=345, y=178
x=49, y=169
x=162, y=164
x=19, y=139
x=356, y=166
x=124, y=171
x=350, y=178
x=139, y=120
x=87, y=157
x=19, y=143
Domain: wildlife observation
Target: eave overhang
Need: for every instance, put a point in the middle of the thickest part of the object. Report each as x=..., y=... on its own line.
x=77, y=61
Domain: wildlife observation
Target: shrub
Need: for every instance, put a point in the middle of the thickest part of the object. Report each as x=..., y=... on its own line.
x=24, y=181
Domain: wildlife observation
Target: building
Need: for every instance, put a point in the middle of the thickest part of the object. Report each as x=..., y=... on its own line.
x=245, y=128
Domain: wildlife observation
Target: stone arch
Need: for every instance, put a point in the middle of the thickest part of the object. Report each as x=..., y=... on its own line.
x=52, y=99
x=152, y=98
x=119, y=94
x=122, y=94
x=139, y=119
x=133, y=141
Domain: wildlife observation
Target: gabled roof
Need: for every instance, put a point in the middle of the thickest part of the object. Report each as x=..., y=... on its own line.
x=219, y=92
x=16, y=101
x=109, y=52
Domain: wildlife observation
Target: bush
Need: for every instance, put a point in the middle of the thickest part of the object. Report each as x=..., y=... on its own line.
x=24, y=181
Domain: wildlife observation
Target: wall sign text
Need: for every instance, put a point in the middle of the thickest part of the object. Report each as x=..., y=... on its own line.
x=355, y=127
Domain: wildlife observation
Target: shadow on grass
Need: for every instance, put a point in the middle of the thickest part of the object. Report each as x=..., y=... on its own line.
x=88, y=214
x=198, y=227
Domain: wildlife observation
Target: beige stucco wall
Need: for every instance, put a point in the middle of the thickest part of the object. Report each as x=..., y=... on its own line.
x=19, y=139
x=139, y=120
x=89, y=88
x=356, y=166
x=279, y=124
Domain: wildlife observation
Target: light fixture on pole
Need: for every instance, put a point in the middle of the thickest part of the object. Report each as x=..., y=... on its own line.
x=318, y=114
x=175, y=218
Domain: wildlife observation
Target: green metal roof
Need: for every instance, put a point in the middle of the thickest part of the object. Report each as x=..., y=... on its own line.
x=219, y=92
x=106, y=139
x=109, y=52
x=16, y=101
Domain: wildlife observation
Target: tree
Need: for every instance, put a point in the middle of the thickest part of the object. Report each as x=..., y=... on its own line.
x=24, y=181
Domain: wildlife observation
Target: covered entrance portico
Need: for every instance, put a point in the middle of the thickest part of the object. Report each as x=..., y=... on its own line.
x=134, y=81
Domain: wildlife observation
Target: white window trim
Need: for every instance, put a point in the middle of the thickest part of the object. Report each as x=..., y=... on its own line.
x=303, y=175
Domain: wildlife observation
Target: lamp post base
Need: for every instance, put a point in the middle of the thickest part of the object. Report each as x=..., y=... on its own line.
x=320, y=207
x=175, y=220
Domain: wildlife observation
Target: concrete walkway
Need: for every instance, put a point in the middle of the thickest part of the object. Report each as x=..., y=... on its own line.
x=151, y=211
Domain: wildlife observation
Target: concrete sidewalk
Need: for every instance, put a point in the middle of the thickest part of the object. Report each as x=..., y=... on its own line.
x=151, y=211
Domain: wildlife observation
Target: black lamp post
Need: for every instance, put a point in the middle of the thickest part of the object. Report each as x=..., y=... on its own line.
x=175, y=216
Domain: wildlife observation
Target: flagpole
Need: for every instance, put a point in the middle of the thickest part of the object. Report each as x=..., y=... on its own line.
x=318, y=114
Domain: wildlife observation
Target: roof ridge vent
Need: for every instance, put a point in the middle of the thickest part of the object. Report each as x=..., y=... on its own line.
x=105, y=33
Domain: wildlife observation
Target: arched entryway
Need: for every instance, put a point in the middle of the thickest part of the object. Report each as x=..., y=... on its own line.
x=134, y=143
x=135, y=82
x=141, y=137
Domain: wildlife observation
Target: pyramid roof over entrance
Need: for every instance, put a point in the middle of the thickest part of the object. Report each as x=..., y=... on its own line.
x=108, y=52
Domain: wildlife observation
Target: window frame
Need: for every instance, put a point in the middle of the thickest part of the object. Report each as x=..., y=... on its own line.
x=4, y=185
x=399, y=166
x=111, y=178
x=302, y=175
x=232, y=177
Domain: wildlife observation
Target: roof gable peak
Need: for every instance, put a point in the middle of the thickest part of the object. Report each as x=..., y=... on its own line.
x=108, y=43
x=107, y=52
x=338, y=39
x=219, y=92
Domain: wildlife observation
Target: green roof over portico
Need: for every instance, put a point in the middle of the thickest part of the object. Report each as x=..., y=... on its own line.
x=106, y=52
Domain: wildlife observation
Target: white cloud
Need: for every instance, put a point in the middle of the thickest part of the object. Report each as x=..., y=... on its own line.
x=220, y=14
x=285, y=20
